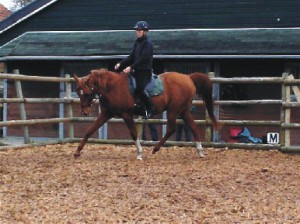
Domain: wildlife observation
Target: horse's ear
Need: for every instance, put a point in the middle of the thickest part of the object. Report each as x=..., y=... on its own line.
x=76, y=78
x=93, y=72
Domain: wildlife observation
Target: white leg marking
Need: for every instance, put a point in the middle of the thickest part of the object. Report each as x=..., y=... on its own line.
x=139, y=149
x=199, y=149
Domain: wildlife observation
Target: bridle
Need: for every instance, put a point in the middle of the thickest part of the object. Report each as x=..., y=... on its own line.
x=91, y=96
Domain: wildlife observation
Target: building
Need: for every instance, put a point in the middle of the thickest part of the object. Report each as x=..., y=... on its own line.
x=4, y=12
x=229, y=38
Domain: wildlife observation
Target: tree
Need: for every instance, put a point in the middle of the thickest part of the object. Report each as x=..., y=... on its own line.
x=17, y=4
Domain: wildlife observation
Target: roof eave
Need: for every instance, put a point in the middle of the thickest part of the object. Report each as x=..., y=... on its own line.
x=17, y=20
x=107, y=57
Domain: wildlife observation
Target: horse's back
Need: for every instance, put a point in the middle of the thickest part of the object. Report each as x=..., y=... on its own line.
x=178, y=90
x=178, y=82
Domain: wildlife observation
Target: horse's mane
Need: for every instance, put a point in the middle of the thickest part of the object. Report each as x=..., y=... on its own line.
x=105, y=72
x=101, y=77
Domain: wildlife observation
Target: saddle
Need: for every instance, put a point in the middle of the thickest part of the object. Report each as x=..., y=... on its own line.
x=154, y=87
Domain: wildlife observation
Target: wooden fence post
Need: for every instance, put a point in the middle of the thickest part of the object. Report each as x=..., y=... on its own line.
x=285, y=113
x=295, y=88
x=22, y=109
x=69, y=110
x=139, y=126
x=208, y=128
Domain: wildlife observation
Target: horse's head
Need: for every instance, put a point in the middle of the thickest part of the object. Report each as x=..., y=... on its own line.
x=85, y=91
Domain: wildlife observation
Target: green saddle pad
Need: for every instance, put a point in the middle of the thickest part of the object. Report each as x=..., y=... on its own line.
x=154, y=87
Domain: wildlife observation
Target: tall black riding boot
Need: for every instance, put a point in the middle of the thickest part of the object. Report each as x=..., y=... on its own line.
x=148, y=104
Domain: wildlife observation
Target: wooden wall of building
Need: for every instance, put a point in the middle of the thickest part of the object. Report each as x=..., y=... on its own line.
x=161, y=14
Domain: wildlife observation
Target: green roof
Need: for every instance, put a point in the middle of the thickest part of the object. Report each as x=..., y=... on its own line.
x=192, y=43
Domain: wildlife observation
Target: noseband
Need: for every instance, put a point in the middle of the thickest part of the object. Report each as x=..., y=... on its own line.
x=91, y=97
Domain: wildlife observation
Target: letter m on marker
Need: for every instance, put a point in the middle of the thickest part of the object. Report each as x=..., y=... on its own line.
x=273, y=138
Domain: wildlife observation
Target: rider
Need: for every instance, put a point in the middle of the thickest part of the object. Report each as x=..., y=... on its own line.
x=139, y=63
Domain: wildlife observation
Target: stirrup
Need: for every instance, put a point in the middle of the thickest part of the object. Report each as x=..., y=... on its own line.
x=148, y=114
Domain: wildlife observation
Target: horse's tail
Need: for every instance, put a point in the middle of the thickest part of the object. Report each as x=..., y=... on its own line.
x=204, y=88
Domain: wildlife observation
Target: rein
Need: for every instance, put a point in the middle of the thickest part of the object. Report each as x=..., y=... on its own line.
x=92, y=96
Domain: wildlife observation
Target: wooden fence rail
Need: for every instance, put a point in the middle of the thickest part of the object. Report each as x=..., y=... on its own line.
x=284, y=123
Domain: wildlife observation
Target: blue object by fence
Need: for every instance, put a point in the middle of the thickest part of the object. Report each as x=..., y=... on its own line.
x=245, y=136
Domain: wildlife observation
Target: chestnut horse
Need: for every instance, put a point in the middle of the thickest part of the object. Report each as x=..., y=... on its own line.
x=116, y=100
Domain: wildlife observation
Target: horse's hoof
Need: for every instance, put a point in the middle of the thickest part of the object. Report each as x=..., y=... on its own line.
x=155, y=150
x=201, y=155
x=76, y=155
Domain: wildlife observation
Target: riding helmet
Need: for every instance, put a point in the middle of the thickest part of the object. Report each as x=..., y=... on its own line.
x=141, y=25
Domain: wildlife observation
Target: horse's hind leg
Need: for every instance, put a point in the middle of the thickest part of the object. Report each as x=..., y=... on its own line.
x=188, y=118
x=102, y=118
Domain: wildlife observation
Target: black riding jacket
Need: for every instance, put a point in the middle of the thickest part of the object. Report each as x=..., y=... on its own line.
x=141, y=56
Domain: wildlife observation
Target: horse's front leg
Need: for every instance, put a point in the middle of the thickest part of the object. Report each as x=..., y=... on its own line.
x=171, y=127
x=128, y=119
x=102, y=118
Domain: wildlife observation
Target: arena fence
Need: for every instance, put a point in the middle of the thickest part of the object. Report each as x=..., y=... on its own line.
x=287, y=82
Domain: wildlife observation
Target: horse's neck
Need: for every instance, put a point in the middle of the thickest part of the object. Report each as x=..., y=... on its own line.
x=115, y=82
